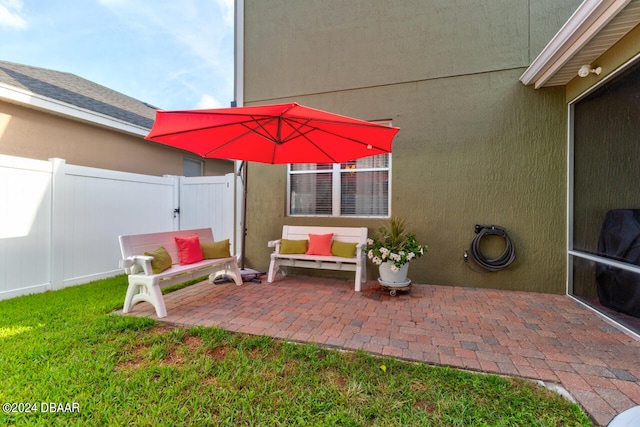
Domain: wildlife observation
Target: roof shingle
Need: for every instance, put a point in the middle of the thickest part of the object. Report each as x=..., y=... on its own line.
x=74, y=90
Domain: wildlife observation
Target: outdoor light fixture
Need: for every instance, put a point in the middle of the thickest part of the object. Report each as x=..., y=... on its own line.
x=585, y=70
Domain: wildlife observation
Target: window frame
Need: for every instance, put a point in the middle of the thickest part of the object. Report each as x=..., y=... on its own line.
x=579, y=254
x=197, y=163
x=336, y=172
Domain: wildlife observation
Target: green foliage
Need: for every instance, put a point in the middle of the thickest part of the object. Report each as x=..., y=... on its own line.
x=68, y=347
x=393, y=243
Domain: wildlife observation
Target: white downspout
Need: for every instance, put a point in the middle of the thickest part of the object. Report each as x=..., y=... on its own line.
x=239, y=54
x=238, y=95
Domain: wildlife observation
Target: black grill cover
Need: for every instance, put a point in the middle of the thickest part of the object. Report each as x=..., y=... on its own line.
x=620, y=240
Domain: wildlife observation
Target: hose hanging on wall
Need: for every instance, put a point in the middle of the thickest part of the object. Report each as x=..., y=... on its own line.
x=490, y=264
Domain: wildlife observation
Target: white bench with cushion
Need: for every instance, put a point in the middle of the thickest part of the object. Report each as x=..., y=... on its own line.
x=156, y=260
x=327, y=248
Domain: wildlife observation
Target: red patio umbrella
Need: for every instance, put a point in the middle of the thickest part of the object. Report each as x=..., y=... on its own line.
x=279, y=133
x=274, y=134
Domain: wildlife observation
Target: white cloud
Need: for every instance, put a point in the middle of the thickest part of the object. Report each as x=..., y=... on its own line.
x=227, y=8
x=190, y=23
x=11, y=14
x=207, y=102
x=193, y=42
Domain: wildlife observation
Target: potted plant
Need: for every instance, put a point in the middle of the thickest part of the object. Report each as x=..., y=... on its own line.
x=391, y=248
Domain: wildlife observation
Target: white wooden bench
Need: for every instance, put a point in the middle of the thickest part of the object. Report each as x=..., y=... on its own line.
x=342, y=234
x=144, y=285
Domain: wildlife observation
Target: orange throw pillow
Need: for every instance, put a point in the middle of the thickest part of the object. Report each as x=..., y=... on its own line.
x=320, y=244
x=189, y=250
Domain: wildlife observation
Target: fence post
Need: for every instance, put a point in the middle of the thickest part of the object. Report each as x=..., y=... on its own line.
x=57, y=223
x=229, y=221
x=238, y=194
x=176, y=200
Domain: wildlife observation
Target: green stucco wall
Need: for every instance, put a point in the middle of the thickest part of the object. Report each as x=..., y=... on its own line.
x=475, y=146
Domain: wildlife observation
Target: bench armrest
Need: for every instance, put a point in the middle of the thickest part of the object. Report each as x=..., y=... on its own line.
x=274, y=244
x=135, y=263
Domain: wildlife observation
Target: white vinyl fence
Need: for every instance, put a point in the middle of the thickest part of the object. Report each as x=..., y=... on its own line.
x=59, y=223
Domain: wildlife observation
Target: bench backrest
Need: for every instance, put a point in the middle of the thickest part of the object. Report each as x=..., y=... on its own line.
x=138, y=244
x=343, y=234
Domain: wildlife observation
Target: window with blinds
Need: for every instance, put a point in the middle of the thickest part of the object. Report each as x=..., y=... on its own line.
x=192, y=167
x=359, y=188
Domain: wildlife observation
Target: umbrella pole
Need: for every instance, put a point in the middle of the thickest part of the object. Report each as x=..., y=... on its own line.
x=244, y=211
x=248, y=274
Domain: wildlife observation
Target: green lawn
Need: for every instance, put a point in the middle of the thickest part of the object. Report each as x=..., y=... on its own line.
x=63, y=350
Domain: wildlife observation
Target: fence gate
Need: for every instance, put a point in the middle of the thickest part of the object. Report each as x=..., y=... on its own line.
x=207, y=202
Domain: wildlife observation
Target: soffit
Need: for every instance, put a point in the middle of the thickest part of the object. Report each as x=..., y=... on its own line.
x=595, y=27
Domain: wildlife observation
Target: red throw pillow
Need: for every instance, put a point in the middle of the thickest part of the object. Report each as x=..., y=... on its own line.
x=189, y=250
x=320, y=244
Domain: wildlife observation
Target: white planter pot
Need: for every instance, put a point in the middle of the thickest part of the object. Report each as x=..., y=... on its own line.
x=391, y=277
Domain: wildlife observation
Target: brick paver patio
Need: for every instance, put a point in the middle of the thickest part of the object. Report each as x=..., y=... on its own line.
x=545, y=337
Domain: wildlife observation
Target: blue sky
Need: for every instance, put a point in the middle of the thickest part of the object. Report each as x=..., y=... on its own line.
x=173, y=54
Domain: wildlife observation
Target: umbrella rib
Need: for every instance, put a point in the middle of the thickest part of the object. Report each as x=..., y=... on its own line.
x=249, y=130
x=261, y=125
x=231, y=141
x=320, y=149
x=313, y=127
x=305, y=122
x=299, y=133
x=296, y=130
x=186, y=131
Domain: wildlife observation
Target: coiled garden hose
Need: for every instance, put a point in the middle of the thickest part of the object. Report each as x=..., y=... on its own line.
x=490, y=264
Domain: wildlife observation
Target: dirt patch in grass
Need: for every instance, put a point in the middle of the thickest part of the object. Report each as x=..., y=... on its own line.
x=177, y=352
x=163, y=349
x=174, y=355
x=219, y=353
x=137, y=361
x=160, y=329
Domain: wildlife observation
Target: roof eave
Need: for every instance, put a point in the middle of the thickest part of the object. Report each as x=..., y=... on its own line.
x=24, y=97
x=590, y=17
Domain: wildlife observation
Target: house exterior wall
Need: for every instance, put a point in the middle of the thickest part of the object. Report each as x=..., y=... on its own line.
x=475, y=146
x=31, y=133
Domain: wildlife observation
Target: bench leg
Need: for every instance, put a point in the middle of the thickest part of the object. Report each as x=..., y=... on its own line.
x=273, y=266
x=364, y=271
x=229, y=269
x=361, y=275
x=144, y=290
x=235, y=272
x=358, y=279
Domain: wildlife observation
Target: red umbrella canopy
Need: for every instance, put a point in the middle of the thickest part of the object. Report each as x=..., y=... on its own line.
x=279, y=133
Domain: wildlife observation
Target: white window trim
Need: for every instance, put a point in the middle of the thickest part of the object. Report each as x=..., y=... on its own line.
x=336, y=189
